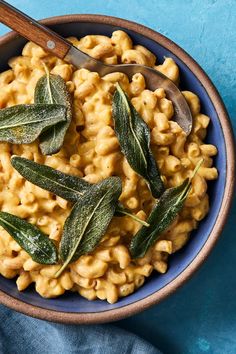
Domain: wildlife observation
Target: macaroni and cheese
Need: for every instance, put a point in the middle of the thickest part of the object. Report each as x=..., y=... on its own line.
x=91, y=150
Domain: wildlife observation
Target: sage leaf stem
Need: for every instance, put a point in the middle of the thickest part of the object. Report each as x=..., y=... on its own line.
x=121, y=210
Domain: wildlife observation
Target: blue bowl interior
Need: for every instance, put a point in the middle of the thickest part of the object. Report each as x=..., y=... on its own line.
x=71, y=302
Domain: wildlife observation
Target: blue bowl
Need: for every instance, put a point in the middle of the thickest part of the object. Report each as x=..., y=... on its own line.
x=72, y=308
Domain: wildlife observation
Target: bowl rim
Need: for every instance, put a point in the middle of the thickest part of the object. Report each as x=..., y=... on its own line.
x=142, y=304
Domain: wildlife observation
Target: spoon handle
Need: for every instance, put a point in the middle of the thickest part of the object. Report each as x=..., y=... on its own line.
x=32, y=30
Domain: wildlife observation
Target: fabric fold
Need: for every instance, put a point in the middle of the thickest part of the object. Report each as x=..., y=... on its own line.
x=23, y=334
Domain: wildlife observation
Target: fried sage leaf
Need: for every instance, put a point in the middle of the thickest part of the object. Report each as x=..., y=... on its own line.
x=41, y=249
x=22, y=124
x=52, y=89
x=161, y=217
x=89, y=220
x=134, y=138
x=65, y=186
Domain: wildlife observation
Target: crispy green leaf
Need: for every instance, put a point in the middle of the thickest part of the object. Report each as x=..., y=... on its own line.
x=22, y=124
x=89, y=220
x=134, y=138
x=52, y=89
x=162, y=215
x=41, y=249
x=64, y=185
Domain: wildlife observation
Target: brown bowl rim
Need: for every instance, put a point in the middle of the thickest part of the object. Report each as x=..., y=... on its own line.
x=140, y=305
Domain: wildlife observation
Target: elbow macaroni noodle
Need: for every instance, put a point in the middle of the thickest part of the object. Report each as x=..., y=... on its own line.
x=91, y=150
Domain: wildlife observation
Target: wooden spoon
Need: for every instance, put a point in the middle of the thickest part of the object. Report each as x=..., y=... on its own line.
x=52, y=42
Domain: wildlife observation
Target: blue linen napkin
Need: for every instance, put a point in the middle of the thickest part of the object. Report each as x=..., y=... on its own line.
x=26, y=335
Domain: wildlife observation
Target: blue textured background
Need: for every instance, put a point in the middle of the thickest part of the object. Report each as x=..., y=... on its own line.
x=201, y=316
